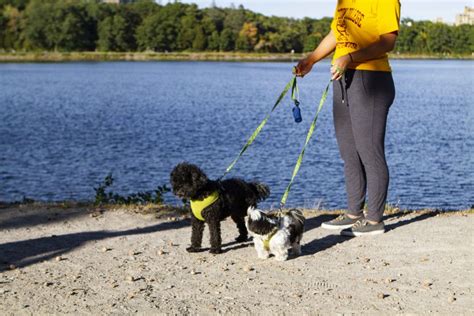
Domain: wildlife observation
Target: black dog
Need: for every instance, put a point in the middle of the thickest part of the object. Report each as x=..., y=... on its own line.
x=213, y=201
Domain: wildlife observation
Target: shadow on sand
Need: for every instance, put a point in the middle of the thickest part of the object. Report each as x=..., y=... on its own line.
x=27, y=252
x=27, y=216
x=318, y=245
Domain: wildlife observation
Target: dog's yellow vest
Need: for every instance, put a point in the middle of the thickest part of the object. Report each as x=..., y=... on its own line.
x=197, y=206
x=266, y=242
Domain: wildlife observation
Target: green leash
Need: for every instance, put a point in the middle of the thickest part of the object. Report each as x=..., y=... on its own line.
x=308, y=138
x=294, y=96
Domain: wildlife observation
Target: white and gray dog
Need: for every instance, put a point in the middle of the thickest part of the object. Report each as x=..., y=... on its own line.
x=273, y=234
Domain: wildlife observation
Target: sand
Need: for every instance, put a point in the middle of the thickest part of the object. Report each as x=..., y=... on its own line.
x=77, y=261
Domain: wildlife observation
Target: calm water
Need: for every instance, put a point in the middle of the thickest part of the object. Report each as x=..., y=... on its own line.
x=64, y=127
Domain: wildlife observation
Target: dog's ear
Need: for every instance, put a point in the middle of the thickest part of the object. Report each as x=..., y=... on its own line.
x=254, y=214
x=250, y=210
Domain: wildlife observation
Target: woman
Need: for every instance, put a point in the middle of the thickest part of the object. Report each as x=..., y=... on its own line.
x=362, y=33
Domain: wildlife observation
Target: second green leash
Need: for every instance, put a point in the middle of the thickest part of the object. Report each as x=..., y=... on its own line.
x=294, y=96
x=308, y=138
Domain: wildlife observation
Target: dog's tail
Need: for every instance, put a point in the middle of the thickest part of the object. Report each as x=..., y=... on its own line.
x=297, y=215
x=262, y=191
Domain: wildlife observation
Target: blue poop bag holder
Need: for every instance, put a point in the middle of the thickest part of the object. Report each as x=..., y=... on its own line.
x=295, y=93
x=297, y=112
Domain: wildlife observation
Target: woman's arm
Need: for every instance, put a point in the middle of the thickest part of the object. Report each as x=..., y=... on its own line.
x=325, y=48
x=385, y=44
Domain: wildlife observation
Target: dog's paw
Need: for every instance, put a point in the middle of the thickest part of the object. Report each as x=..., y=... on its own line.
x=281, y=258
x=263, y=256
x=193, y=249
x=215, y=251
x=242, y=238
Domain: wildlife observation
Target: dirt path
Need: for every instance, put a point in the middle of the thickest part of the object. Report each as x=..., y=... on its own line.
x=116, y=262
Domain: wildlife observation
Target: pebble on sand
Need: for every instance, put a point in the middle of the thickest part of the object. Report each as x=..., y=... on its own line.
x=427, y=283
x=382, y=296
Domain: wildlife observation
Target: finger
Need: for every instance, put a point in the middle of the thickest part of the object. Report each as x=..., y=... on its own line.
x=298, y=71
x=336, y=76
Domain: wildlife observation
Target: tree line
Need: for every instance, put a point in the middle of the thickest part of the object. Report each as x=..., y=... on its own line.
x=144, y=25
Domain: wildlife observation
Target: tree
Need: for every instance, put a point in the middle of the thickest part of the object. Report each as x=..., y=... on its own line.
x=116, y=32
x=248, y=37
x=188, y=28
x=10, y=23
x=59, y=26
x=312, y=41
x=199, y=42
x=106, y=40
x=87, y=25
x=214, y=41
x=463, y=39
x=440, y=39
x=19, y=4
x=227, y=41
x=159, y=31
x=77, y=31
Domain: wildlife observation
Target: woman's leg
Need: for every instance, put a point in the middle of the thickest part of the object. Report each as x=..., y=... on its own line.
x=370, y=95
x=353, y=168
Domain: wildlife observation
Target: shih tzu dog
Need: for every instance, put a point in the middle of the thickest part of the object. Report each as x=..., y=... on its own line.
x=276, y=235
x=213, y=201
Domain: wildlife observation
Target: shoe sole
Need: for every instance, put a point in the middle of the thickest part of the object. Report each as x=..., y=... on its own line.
x=336, y=227
x=357, y=234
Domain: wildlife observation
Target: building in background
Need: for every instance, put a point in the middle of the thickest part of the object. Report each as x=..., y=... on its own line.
x=467, y=17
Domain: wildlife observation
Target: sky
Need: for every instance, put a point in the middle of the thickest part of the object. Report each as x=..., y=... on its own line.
x=415, y=9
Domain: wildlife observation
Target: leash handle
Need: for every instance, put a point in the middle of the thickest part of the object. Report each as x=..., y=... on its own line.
x=308, y=138
x=291, y=84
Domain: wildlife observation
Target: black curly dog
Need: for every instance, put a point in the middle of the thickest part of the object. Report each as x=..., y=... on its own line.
x=235, y=196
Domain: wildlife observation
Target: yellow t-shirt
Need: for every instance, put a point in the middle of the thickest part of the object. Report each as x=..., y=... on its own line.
x=359, y=23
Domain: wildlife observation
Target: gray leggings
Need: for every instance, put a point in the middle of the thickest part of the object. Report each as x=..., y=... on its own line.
x=361, y=103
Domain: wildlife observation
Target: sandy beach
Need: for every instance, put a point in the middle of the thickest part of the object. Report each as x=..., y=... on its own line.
x=84, y=261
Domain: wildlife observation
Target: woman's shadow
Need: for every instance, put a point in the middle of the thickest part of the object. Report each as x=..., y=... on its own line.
x=318, y=245
x=27, y=252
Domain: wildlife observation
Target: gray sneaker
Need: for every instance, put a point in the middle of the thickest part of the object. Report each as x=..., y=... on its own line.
x=364, y=228
x=342, y=222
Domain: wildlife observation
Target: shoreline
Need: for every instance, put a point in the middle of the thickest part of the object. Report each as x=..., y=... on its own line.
x=186, y=56
x=166, y=209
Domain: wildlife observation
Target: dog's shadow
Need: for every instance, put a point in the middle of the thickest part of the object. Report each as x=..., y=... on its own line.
x=232, y=245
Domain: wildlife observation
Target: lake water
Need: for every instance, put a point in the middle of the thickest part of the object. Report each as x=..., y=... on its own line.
x=64, y=127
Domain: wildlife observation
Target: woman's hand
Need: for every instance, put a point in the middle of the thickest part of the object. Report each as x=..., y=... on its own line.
x=304, y=66
x=340, y=66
